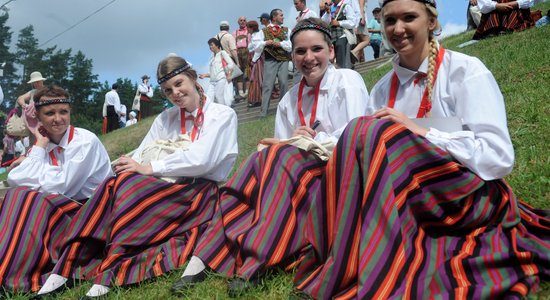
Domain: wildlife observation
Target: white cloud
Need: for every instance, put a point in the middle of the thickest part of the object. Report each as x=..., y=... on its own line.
x=452, y=28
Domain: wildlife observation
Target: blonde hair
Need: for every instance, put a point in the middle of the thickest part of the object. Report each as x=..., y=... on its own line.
x=432, y=54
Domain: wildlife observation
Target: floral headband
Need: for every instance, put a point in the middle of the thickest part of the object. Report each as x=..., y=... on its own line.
x=40, y=103
x=310, y=26
x=173, y=73
x=430, y=2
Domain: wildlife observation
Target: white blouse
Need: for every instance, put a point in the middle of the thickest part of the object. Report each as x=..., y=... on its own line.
x=487, y=6
x=217, y=72
x=254, y=45
x=342, y=97
x=466, y=89
x=82, y=164
x=210, y=156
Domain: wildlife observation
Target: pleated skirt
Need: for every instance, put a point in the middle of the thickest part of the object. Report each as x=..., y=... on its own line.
x=32, y=227
x=496, y=22
x=260, y=216
x=400, y=219
x=255, y=81
x=136, y=227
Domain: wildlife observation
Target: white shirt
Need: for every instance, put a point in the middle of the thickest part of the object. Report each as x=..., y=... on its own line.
x=255, y=40
x=19, y=147
x=211, y=156
x=1, y=95
x=351, y=21
x=342, y=97
x=217, y=72
x=306, y=14
x=260, y=45
x=466, y=89
x=487, y=6
x=356, y=8
x=111, y=98
x=145, y=89
x=131, y=122
x=82, y=165
x=123, y=111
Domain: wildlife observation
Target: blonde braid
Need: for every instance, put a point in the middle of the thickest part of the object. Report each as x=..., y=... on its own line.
x=431, y=70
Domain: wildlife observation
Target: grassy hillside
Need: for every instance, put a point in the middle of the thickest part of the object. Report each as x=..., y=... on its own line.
x=520, y=63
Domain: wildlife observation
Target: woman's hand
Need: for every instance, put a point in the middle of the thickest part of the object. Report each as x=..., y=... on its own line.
x=269, y=141
x=305, y=131
x=400, y=118
x=127, y=164
x=41, y=135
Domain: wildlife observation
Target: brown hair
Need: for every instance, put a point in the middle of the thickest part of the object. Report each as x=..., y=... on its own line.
x=52, y=91
x=312, y=24
x=253, y=25
x=173, y=65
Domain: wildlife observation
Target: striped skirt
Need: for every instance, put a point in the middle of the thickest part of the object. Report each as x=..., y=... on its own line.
x=400, y=219
x=496, y=21
x=136, y=227
x=260, y=217
x=255, y=81
x=32, y=227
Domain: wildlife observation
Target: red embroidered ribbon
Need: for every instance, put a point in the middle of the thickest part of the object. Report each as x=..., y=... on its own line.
x=53, y=157
x=313, y=109
x=425, y=104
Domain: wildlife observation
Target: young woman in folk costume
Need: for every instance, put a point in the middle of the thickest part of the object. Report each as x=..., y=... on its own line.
x=413, y=213
x=137, y=226
x=48, y=186
x=260, y=217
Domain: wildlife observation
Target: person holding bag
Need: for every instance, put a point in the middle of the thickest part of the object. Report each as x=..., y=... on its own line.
x=48, y=186
x=138, y=226
x=221, y=74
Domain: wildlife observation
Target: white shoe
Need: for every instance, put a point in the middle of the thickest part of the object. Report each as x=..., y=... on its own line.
x=53, y=282
x=98, y=290
x=245, y=94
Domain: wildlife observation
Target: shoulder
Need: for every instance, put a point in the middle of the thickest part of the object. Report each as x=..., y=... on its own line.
x=461, y=66
x=382, y=85
x=344, y=77
x=220, y=112
x=84, y=136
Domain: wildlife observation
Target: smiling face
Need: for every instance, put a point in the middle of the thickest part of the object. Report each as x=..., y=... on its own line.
x=181, y=91
x=55, y=118
x=408, y=26
x=311, y=54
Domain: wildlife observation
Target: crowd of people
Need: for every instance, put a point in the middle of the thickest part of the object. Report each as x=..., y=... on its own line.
x=262, y=52
x=394, y=194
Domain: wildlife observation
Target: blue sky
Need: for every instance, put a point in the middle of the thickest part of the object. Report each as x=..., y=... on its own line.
x=128, y=37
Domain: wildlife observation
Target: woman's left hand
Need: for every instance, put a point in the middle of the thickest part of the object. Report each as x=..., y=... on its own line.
x=127, y=164
x=400, y=118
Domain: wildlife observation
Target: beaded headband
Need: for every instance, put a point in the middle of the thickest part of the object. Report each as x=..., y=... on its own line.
x=173, y=73
x=310, y=26
x=430, y=2
x=51, y=101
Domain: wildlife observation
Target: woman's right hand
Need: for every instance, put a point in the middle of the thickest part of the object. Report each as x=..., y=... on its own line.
x=305, y=131
x=41, y=136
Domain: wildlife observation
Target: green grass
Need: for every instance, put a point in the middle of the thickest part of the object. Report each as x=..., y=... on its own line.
x=520, y=63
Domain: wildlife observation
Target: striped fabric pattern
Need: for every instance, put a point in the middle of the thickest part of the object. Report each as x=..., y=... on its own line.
x=495, y=21
x=400, y=219
x=255, y=81
x=260, y=217
x=31, y=226
x=136, y=227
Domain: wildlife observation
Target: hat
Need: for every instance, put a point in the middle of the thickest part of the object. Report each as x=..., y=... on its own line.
x=36, y=76
x=264, y=16
x=224, y=23
x=133, y=113
x=145, y=77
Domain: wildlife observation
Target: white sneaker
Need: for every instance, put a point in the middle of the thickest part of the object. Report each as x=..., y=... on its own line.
x=53, y=282
x=98, y=290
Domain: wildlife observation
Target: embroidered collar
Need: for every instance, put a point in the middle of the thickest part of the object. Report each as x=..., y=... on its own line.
x=405, y=74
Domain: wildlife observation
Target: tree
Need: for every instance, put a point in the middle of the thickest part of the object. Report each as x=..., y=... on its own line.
x=29, y=56
x=82, y=84
x=9, y=78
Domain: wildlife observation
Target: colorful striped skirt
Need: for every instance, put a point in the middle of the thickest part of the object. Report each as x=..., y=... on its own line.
x=255, y=82
x=260, y=216
x=495, y=22
x=32, y=227
x=400, y=219
x=136, y=227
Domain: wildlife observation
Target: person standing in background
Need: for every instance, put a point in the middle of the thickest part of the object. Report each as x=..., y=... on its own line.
x=342, y=20
x=242, y=39
x=374, y=29
x=146, y=93
x=112, y=103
